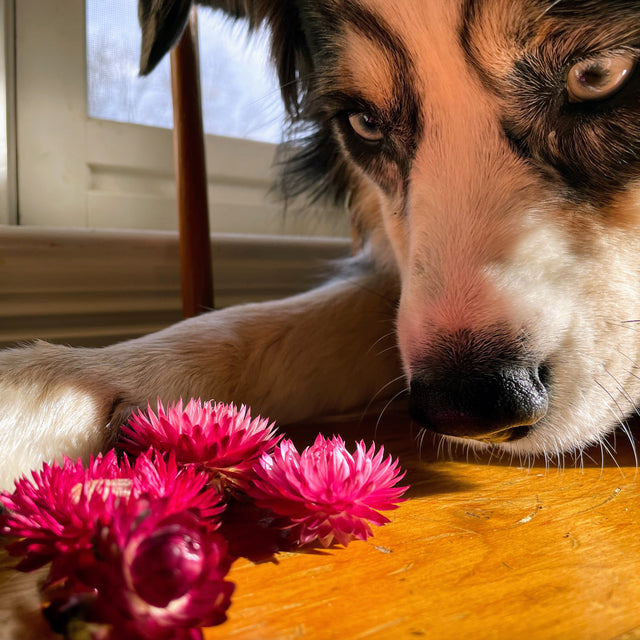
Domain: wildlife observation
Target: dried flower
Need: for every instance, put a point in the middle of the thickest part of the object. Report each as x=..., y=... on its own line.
x=157, y=476
x=158, y=574
x=326, y=492
x=220, y=437
x=54, y=511
x=57, y=511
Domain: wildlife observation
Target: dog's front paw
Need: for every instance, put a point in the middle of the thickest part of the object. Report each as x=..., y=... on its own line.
x=54, y=400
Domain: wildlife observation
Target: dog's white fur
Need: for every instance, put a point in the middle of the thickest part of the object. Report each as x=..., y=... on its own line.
x=482, y=241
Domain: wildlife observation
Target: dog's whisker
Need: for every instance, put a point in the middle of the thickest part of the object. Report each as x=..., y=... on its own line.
x=612, y=451
x=530, y=460
x=558, y=456
x=422, y=434
x=621, y=388
x=619, y=418
x=386, y=406
x=546, y=11
x=389, y=334
x=605, y=450
x=609, y=449
x=450, y=447
x=420, y=441
x=633, y=375
x=628, y=357
x=546, y=461
x=378, y=392
x=392, y=348
x=603, y=457
x=584, y=454
x=632, y=442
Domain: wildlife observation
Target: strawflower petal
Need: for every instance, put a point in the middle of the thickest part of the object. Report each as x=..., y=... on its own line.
x=325, y=492
x=54, y=511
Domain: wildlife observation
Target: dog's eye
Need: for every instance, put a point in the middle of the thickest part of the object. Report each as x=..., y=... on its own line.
x=366, y=126
x=599, y=77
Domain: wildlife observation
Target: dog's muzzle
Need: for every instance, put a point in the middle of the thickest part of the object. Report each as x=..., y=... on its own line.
x=479, y=395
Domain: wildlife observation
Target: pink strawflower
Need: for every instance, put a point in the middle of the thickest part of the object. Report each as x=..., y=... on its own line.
x=219, y=437
x=56, y=512
x=326, y=492
x=158, y=574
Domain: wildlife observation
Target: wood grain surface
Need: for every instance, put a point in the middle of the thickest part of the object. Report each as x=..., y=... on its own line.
x=481, y=549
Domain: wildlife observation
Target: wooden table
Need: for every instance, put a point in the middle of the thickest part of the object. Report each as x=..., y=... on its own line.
x=480, y=550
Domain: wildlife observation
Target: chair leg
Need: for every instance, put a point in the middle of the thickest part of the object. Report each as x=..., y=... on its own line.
x=191, y=175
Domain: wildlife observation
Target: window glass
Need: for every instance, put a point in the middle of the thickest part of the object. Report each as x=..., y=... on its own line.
x=240, y=93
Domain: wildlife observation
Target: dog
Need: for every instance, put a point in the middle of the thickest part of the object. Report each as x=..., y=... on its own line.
x=489, y=152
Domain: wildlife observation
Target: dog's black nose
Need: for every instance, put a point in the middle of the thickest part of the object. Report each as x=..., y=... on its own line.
x=482, y=397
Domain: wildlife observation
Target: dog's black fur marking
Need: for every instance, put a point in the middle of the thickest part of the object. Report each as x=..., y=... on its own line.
x=327, y=109
x=162, y=24
x=290, y=56
x=313, y=164
x=591, y=149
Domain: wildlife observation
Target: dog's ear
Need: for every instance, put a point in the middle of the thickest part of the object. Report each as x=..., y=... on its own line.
x=163, y=21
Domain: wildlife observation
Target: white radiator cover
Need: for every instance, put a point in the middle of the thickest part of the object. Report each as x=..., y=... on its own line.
x=91, y=288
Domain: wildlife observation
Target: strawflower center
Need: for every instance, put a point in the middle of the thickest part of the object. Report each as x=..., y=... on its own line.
x=119, y=487
x=167, y=564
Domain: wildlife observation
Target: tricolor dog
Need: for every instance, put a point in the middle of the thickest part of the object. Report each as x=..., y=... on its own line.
x=489, y=151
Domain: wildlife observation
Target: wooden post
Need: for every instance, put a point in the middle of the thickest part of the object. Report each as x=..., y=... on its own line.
x=191, y=175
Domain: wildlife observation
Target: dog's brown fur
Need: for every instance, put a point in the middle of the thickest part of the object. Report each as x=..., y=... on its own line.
x=498, y=221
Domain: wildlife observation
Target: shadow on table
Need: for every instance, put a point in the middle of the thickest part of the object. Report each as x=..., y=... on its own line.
x=419, y=450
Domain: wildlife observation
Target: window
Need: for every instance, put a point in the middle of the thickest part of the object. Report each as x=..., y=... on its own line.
x=78, y=161
x=240, y=95
x=96, y=165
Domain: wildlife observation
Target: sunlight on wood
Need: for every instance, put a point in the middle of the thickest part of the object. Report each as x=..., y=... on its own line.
x=480, y=550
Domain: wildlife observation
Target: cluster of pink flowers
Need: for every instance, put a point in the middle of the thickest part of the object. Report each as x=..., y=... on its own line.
x=139, y=547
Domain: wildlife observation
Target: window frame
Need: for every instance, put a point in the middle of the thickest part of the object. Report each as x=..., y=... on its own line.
x=76, y=171
x=8, y=157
